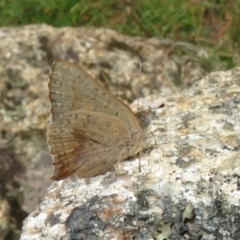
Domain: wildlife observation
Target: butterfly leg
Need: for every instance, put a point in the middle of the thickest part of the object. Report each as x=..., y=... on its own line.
x=139, y=162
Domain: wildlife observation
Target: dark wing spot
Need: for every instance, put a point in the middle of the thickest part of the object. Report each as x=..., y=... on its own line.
x=108, y=124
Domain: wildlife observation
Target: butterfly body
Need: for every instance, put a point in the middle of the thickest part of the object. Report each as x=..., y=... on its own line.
x=91, y=130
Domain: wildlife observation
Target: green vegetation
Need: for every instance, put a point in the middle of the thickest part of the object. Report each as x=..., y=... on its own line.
x=213, y=24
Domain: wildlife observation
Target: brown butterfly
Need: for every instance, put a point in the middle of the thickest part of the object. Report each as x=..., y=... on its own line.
x=91, y=130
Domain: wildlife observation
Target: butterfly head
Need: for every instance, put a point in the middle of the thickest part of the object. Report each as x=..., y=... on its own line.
x=144, y=118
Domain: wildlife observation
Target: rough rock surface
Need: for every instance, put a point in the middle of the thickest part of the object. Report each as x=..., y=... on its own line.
x=188, y=187
x=26, y=54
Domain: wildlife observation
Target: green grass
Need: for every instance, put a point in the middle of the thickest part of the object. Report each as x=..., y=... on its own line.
x=214, y=24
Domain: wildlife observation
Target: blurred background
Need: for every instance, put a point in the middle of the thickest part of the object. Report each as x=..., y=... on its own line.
x=198, y=29
x=211, y=23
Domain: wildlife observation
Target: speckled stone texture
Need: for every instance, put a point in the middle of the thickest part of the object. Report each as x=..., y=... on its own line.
x=26, y=55
x=188, y=187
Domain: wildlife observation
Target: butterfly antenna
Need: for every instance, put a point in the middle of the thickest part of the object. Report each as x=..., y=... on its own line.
x=140, y=72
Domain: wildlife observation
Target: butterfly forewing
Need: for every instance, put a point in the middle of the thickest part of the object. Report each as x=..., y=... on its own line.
x=90, y=129
x=72, y=88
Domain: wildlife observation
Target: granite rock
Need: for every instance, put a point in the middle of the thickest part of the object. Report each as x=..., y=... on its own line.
x=188, y=186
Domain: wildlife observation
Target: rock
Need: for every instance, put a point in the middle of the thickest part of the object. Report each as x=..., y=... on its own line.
x=26, y=54
x=188, y=187
x=11, y=200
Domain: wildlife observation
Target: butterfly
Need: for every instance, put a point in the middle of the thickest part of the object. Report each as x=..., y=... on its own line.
x=90, y=130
